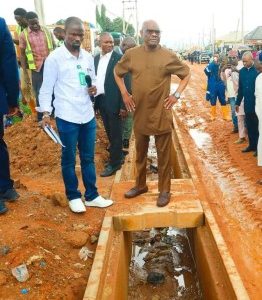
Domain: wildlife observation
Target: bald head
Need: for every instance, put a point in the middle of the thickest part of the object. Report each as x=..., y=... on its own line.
x=148, y=24
x=106, y=42
x=247, y=59
x=127, y=43
x=150, y=33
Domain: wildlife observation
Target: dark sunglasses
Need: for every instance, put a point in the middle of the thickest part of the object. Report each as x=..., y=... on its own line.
x=151, y=31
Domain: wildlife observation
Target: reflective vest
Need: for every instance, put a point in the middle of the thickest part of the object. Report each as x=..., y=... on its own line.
x=18, y=30
x=28, y=50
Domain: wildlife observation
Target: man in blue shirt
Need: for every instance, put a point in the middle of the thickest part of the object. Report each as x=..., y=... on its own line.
x=246, y=91
x=9, y=91
x=216, y=88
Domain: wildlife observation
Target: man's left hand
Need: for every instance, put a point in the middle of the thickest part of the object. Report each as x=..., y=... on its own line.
x=92, y=91
x=170, y=102
x=123, y=114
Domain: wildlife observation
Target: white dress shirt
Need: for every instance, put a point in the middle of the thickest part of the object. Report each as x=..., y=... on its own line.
x=101, y=72
x=258, y=108
x=61, y=75
x=258, y=89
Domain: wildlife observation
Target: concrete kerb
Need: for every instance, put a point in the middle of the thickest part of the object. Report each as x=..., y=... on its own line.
x=113, y=251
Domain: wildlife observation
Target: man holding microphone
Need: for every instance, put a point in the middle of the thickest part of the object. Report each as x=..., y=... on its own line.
x=65, y=72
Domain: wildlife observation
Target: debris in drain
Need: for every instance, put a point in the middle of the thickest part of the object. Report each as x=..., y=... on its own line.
x=153, y=168
x=163, y=258
x=155, y=278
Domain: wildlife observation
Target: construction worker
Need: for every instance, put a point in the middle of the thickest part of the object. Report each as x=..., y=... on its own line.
x=216, y=88
x=36, y=42
x=19, y=14
x=26, y=89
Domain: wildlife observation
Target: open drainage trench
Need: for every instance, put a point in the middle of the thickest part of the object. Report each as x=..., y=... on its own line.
x=162, y=263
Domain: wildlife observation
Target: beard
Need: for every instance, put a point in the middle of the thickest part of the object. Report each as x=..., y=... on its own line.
x=76, y=46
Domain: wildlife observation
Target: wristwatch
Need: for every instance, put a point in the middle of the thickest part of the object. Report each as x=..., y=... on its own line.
x=177, y=95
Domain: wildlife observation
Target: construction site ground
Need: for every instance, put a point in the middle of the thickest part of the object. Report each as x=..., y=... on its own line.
x=40, y=231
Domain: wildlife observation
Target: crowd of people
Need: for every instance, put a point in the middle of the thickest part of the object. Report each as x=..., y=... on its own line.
x=71, y=86
x=237, y=82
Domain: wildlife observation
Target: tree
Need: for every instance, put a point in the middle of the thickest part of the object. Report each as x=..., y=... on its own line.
x=116, y=25
x=102, y=20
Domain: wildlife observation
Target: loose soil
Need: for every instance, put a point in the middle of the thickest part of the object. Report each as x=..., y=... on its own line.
x=42, y=232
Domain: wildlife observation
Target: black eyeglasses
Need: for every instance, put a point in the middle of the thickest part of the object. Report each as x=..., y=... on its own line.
x=153, y=31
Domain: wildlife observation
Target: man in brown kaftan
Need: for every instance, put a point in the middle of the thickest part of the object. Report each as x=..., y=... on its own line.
x=151, y=67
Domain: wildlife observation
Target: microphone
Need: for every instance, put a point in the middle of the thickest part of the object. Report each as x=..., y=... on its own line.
x=88, y=80
x=89, y=84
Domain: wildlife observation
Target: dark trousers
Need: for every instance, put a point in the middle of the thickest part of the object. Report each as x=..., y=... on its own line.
x=5, y=181
x=37, y=80
x=113, y=126
x=163, y=146
x=252, y=129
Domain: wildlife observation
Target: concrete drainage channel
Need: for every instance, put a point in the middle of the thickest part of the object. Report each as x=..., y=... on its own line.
x=215, y=277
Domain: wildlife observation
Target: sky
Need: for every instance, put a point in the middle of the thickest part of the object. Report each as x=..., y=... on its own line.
x=182, y=22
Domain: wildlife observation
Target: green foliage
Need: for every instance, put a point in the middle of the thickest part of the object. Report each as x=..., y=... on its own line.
x=106, y=24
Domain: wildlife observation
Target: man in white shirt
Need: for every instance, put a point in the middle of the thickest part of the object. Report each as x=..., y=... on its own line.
x=109, y=102
x=258, y=94
x=64, y=73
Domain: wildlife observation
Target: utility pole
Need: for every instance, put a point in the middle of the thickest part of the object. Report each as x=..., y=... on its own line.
x=237, y=31
x=242, y=21
x=213, y=34
x=39, y=8
x=130, y=6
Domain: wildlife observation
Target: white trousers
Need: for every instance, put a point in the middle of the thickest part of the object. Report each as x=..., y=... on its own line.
x=241, y=126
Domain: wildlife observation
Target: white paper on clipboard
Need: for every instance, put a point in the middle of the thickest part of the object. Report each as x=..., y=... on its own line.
x=53, y=135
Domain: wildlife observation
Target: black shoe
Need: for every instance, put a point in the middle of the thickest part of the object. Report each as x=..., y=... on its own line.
x=109, y=170
x=10, y=195
x=255, y=154
x=3, y=208
x=125, y=143
x=248, y=149
x=234, y=130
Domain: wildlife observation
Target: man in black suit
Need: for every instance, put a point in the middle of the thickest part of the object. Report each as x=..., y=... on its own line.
x=109, y=102
x=9, y=92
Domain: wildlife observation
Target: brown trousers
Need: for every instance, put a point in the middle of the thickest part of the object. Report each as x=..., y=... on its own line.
x=163, y=146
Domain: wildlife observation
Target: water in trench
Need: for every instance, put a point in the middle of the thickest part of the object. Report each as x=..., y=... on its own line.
x=163, y=266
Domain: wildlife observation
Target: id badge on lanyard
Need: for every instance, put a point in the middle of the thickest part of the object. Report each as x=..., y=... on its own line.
x=81, y=75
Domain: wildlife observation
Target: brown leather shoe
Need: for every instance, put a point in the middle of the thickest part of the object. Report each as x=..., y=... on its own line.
x=163, y=199
x=134, y=192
